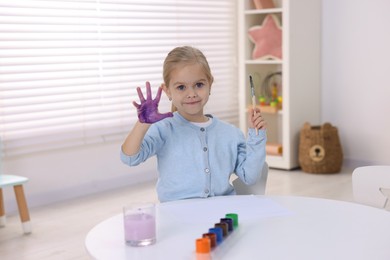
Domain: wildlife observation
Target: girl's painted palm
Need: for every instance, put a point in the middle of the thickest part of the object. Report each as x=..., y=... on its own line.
x=148, y=109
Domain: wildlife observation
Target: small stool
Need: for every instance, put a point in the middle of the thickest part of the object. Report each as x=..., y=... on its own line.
x=17, y=183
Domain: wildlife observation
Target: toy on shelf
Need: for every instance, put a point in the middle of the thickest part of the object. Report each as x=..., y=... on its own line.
x=274, y=149
x=271, y=100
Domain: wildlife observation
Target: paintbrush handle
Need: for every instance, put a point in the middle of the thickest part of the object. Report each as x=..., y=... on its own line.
x=254, y=110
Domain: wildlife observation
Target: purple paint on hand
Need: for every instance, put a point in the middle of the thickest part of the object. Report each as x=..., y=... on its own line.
x=148, y=109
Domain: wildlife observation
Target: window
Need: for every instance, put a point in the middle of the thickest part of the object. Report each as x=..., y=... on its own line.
x=69, y=69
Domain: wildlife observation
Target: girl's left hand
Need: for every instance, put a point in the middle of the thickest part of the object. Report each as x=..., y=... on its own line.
x=255, y=119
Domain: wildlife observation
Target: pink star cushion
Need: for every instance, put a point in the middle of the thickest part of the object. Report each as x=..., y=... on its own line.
x=267, y=39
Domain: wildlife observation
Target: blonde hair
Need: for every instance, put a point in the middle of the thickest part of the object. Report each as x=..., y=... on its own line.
x=186, y=55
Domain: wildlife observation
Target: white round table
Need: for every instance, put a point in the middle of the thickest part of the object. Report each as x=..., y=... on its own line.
x=270, y=227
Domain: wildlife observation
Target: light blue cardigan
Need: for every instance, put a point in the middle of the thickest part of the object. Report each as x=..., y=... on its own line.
x=196, y=162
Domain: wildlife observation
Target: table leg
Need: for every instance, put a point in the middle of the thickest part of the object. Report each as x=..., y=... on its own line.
x=23, y=209
x=2, y=209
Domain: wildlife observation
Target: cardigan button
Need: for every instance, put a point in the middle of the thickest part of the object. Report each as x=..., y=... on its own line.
x=202, y=129
x=205, y=149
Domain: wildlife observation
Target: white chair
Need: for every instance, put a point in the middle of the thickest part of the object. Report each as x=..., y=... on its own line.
x=256, y=189
x=371, y=185
x=17, y=183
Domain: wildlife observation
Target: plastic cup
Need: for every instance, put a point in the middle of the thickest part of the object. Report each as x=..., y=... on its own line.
x=140, y=224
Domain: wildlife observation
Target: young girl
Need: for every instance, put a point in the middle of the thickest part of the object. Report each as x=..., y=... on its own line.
x=196, y=153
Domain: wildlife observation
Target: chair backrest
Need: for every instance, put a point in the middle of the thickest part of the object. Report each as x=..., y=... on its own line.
x=256, y=189
x=371, y=184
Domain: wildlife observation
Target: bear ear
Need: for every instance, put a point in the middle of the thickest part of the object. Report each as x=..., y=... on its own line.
x=326, y=126
x=306, y=126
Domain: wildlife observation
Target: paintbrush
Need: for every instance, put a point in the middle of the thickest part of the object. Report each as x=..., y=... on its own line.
x=253, y=98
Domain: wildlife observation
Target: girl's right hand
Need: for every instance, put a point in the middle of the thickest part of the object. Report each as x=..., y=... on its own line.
x=255, y=119
x=148, y=108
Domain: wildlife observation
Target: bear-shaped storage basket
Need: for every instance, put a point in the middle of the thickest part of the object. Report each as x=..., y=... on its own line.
x=320, y=149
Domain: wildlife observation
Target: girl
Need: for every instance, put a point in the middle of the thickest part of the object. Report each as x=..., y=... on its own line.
x=196, y=153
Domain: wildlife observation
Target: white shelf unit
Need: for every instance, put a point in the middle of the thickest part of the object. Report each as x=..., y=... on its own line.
x=300, y=67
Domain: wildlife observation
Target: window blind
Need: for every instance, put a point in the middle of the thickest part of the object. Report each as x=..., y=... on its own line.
x=69, y=69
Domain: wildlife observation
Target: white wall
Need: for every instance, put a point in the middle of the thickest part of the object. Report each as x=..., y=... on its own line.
x=356, y=77
x=355, y=94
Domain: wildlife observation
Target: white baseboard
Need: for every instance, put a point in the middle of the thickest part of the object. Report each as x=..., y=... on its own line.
x=353, y=163
x=50, y=197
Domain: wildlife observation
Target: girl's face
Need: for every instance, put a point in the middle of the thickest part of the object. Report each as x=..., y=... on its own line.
x=189, y=90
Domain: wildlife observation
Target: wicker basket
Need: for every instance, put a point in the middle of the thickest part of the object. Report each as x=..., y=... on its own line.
x=320, y=149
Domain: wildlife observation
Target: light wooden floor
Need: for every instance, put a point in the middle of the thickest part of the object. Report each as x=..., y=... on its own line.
x=59, y=230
